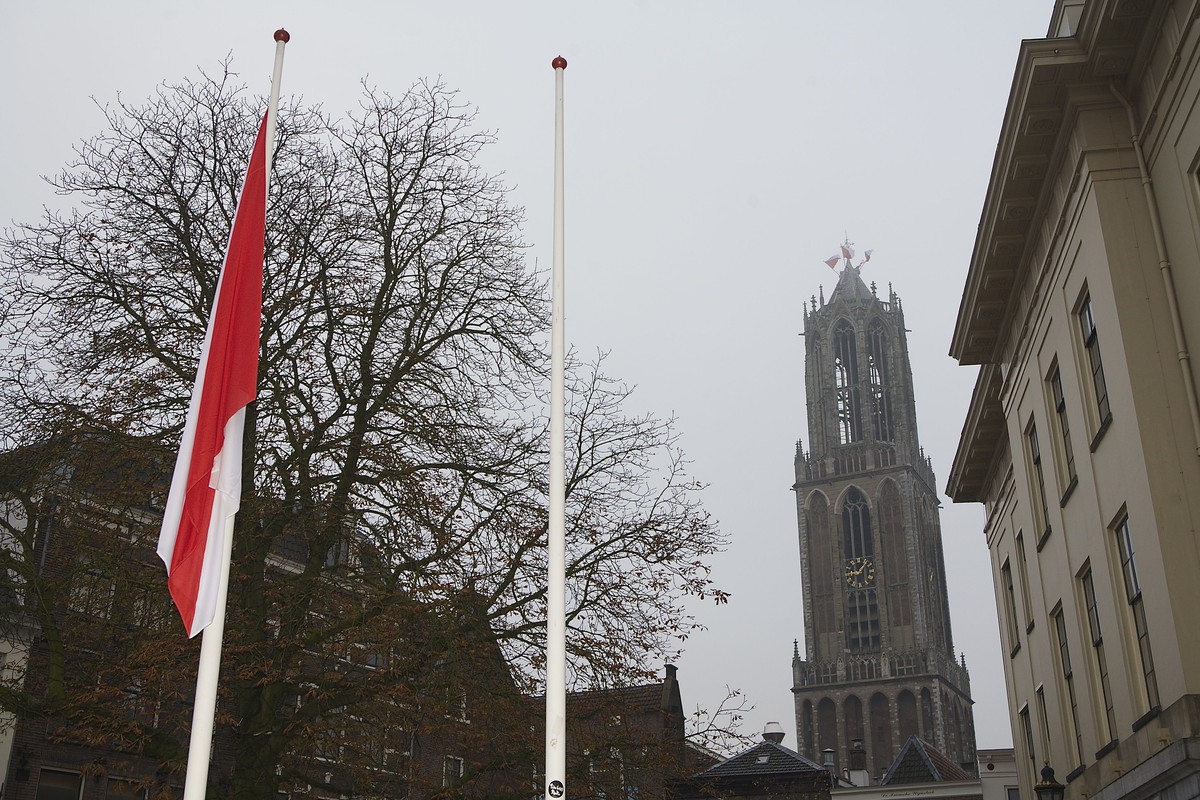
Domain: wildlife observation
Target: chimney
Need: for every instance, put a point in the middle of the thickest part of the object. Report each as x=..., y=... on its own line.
x=830, y=767
x=858, y=755
x=857, y=774
x=773, y=732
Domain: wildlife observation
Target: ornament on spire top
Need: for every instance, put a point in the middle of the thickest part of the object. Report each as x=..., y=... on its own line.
x=846, y=256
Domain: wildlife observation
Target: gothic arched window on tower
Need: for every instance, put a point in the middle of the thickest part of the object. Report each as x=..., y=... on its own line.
x=823, y=580
x=858, y=548
x=906, y=714
x=852, y=718
x=845, y=370
x=881, y=728
x=883, y=423
x=862, y=621
x=928, y=733
x=858, y=541
x=893, y=544
x=827, y=737
x=808, y=732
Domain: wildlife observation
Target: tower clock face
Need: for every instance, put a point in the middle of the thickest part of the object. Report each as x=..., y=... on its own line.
x=860, y=572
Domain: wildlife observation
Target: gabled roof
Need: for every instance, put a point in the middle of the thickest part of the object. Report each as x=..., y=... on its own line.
x=645, y=698
x=921, y=762
x=764, y=758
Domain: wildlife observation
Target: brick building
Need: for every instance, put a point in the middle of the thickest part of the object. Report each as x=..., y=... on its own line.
x=102, y=699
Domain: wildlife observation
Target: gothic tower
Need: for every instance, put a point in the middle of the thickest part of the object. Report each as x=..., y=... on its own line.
x=879, y=661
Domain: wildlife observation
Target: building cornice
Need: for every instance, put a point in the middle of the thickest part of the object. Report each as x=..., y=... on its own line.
x=1037, y=121
x=1054, y=78
x=982, y=434
x=1029, y=138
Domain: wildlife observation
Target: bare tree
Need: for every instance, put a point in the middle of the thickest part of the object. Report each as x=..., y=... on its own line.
x=397, y=448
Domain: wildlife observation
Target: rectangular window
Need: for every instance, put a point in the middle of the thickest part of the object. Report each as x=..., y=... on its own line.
x=1133, y=594
x=1039, y=480
x=91, y=591
x=1023, y=577
x=452, y=770
x=1068, y=675
x=1093, y=615
x=396, y=757
x=1043, y=719
x=124, y=790
x=1014, y=634
x=1027, y=727
x=456, y=704
x=54, y=784
x=1091, y=344
x=329, y=735
x=1064, y=429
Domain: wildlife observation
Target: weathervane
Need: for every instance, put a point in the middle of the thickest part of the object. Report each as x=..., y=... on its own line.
x=847, y=257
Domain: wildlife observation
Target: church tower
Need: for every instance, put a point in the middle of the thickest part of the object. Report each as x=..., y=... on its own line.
x=878, y=664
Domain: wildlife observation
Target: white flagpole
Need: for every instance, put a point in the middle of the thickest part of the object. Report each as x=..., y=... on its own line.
x=556, y=607
x=204, y=708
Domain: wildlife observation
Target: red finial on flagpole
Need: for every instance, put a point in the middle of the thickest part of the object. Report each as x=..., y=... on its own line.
x=282, y=36
x=559, y=63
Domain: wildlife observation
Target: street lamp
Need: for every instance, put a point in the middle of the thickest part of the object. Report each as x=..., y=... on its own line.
x=1048, y=788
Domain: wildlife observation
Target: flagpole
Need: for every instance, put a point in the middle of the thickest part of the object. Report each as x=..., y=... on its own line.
x=556, y=614
x=204, y=707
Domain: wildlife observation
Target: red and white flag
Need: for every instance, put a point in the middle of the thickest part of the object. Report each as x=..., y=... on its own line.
x=867, y=256
x=207, y=485
x=832, y=261
x=847, y=251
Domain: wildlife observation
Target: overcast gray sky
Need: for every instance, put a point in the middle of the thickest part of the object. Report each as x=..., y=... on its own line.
x=716, y=154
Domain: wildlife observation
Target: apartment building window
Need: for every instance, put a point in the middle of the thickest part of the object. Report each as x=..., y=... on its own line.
x=1043, y=720
x=1133, y=594
x=452, y=770
x=1093, y=615
x=1023, y=577
x=1091, y=344
x=55, y=784
x=1027, y=727
x=1014, y=635
x=330, y=735
x=1068, y=675
x=1064, y=430
x=456, y=704
x=1039, y=479
x=92, y=590
x=124, y=790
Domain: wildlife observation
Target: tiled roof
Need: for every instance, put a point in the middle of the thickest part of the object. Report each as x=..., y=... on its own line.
x=765, y=758
x=645, y=696
x=921, y=762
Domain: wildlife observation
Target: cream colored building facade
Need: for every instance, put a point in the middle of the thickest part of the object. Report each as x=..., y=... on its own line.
x=1083, y=434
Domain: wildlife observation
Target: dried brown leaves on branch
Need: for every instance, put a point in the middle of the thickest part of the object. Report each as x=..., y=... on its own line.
x=396, y=452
